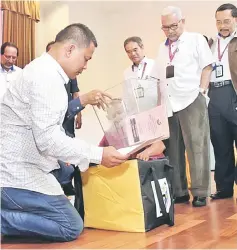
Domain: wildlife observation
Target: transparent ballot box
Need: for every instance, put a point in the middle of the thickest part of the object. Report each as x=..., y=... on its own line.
x=136, y=116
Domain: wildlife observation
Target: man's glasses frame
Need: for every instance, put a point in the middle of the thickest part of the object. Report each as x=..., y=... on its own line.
x=8, y=58
x=173, y=26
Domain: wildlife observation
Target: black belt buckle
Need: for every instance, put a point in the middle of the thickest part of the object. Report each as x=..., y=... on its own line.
x=220, y=84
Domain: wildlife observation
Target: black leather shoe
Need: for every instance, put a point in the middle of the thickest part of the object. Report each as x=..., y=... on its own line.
x=221, y=195
x=68, y=189
x=182, y=199
x=199, y=201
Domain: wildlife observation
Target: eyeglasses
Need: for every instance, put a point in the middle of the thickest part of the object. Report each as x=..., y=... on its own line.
x=225, y=22
x=8, y=58
x=172, y=26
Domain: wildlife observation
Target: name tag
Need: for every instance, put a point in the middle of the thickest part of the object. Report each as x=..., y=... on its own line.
x=140, y=92
x=219, y=71
x=170, y=71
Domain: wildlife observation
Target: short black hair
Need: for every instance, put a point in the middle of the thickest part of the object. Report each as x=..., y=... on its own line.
x=228, y=6
x=49, y=45
x=77, y=33
x=135, y=39
x=8, y=44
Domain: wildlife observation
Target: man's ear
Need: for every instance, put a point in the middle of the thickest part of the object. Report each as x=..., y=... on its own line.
x=69, y=49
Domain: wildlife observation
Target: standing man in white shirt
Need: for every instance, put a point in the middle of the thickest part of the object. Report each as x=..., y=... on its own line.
x=32, y=140
x=8, y=70
x=141, y=65
x=141, y=68
x=223, y=100
x=185, y=60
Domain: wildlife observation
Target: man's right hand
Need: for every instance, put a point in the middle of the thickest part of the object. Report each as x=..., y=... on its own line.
x=111, y=157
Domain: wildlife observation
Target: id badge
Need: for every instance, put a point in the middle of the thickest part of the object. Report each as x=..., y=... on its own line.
x=170, y=71
x=219, y=71
x=140, y=92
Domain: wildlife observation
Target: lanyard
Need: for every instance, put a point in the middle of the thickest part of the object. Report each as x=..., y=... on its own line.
x=220, y=55
x=171, y=55
x=143, y=70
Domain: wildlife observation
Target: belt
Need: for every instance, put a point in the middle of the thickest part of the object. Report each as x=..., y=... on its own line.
x=220, y=84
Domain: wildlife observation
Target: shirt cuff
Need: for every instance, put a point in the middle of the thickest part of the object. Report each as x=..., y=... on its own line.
x=74, y=107
x=95, y=156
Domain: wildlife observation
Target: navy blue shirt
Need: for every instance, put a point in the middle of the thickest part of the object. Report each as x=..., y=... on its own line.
x=74, y=107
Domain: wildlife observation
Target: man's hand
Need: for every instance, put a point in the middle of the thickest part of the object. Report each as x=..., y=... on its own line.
x=111, y=157
x=78, y=121
x=144, y=155
x=155, y=149
x=95, y=97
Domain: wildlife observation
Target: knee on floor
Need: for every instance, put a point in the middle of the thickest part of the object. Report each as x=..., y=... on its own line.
x=74, y=231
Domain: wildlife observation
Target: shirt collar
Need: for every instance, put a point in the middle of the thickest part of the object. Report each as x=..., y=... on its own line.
x=11, y=69
x=57, y=66
x=234, y=34
x=144, y=60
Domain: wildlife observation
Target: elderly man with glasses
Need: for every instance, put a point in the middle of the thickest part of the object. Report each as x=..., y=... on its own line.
x=8, y=70
x=184, y=64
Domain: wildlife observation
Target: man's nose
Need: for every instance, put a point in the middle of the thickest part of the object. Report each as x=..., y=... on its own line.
x=222, y=26
x=11, y=60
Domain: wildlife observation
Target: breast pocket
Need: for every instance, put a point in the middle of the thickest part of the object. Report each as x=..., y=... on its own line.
x=186, y=58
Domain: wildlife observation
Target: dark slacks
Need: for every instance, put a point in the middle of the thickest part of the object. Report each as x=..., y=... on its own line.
x=222, y=111
x=189, y=130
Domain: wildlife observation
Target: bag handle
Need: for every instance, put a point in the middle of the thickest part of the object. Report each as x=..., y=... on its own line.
x=159, y=193
x=79, y=202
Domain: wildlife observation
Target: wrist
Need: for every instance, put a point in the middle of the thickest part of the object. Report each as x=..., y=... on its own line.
x=76, y=95
x=83, y=100
x=202, y=91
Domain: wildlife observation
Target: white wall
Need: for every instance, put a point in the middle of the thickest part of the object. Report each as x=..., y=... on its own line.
x=54, y=16
x=112, y=22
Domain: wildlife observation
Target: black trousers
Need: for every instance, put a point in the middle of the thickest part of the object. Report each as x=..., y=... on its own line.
x=222, y=111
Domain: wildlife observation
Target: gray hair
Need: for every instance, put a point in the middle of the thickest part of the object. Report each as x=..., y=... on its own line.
x=77, y=33
x=135, y=39
x=172, y=10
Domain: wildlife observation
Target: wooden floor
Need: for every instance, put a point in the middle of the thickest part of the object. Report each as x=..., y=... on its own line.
x=210, y=227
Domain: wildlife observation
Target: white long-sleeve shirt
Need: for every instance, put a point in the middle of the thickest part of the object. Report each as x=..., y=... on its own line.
x=32, y=139
x=7, y=77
